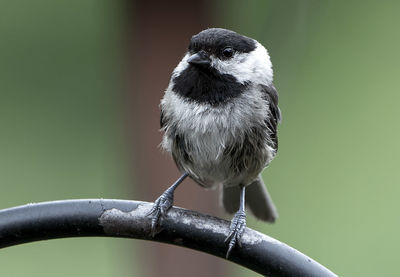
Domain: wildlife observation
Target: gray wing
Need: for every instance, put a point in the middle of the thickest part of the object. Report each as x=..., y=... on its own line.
x=271, y=95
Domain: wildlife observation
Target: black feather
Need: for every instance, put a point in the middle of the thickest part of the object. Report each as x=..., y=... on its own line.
x=207, y=85
x=214, y=40
x=162, y=119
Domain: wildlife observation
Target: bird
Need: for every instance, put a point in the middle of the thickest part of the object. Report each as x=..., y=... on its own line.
x=219, y=117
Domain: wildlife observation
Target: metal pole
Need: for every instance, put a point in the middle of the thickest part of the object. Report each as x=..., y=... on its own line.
x=122, y=218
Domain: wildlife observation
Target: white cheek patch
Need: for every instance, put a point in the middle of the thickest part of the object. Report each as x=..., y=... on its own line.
x=183, y=64
x=255, y=66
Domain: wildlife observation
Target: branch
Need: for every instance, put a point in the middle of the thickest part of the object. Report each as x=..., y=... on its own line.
x=122, y=218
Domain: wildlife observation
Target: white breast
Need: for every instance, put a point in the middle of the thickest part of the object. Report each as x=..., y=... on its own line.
x=210, y=129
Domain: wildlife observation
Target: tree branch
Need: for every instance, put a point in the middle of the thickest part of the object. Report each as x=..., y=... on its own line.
x=122, y=218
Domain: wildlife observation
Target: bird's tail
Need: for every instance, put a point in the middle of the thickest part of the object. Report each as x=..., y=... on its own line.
x=257, y=199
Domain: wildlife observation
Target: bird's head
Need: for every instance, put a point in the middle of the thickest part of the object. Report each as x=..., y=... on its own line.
x=218, y=65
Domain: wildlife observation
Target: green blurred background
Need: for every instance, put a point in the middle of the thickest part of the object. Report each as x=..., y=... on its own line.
x=335, y=179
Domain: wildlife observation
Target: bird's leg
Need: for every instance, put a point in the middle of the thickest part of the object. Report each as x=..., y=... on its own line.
x=238, y=224
x=163, y=204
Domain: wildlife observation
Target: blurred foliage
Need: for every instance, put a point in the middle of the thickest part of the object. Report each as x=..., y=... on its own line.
x=60, y=125
x=335, y=179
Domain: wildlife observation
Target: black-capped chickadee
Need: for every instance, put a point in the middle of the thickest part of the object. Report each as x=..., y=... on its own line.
x=219, y=115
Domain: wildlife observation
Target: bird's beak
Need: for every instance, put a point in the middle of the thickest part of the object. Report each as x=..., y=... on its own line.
x=201, y=58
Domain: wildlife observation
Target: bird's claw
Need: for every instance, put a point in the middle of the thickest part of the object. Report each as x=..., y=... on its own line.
x=160, y=209
x=238, y=224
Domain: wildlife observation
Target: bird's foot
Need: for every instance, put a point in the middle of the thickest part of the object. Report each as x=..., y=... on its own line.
x=238, y=224
x=160, y=209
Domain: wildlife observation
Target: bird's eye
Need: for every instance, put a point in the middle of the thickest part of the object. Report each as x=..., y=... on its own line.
x=227, y=52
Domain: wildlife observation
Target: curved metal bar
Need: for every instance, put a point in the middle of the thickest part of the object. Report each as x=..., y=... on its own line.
x=122, y=218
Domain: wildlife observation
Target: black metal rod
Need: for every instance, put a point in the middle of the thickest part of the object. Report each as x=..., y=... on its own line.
x=122, y=218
